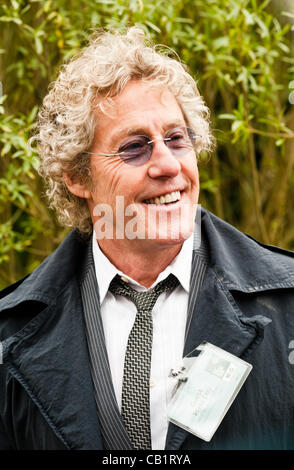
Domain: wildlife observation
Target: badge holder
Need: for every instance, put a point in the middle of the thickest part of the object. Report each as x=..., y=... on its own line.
x=206, y=385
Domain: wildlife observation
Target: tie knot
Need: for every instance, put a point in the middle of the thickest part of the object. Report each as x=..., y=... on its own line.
x=142, y=300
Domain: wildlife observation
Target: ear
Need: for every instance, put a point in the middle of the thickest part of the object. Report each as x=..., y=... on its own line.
x=76, y=188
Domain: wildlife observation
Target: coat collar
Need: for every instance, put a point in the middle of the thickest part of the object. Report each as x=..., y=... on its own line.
x=243, y=264
x=49, y=279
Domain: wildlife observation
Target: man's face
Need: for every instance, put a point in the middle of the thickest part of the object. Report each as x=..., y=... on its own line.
x=143, y=110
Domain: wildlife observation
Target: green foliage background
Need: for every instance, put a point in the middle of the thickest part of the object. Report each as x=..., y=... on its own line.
x=242, y=58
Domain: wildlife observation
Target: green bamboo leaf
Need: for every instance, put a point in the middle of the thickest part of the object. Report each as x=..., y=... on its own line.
x=210, y=57
x=288, y=14
x=29, y=29
x=248, y=17
x=47, y=5
x=263, y=28
x=33, y=114
x=283, y=47
x=227, y=116
x=221, y=42
x=253, y=83
x=236, y=125
x=6, y=148
x=263, y=5
x=184, y=20
x=39, y=45
x=153, y=26
x=21, y=199
x=15, y=4
x=10, y=19
x=243, y=76
x=5, y=128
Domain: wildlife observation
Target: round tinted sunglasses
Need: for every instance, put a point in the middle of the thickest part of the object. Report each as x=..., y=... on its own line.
x=137, y=150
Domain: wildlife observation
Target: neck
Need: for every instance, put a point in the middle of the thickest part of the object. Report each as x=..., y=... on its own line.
x=142, y=265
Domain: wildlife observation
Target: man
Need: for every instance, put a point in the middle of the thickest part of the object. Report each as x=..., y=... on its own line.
x=93, y=338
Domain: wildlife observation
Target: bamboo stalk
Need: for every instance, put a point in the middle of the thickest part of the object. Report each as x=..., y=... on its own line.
x=290, y=135
x=256, y=185
x=217, y=195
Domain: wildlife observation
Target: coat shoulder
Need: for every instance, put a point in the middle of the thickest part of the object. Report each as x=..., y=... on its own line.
x=242, y=260
x=22, y=301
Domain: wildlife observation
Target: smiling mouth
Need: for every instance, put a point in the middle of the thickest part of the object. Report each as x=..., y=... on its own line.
x=165, y=199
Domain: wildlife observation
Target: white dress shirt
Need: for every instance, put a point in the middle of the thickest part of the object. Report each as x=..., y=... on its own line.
x=169, y=323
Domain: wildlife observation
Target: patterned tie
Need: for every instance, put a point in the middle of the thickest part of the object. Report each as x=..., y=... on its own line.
x=136, y=380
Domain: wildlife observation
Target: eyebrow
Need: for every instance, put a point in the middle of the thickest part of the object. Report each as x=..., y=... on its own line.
x=144, y=130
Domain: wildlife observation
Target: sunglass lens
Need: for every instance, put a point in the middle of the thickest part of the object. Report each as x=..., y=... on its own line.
x=136, y=150
x=179, y=140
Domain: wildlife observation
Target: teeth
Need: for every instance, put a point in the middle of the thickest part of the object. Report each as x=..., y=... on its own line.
x=167, y=198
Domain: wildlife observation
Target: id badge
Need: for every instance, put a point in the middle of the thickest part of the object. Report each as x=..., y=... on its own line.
x=206, y=387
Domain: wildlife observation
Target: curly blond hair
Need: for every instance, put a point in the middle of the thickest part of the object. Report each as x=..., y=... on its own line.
x=67, y=120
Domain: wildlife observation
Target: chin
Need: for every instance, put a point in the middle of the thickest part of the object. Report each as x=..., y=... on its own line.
x=174, y=237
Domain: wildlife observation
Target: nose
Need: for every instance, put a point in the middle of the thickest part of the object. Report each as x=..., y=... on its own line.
x=163, y=163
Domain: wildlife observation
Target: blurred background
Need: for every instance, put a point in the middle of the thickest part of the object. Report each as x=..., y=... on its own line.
x=240, y=52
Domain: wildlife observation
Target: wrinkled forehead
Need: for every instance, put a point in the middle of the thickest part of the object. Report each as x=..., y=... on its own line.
x=114, y=105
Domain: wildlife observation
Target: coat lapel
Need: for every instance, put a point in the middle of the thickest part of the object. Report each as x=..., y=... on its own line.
x=112, y=427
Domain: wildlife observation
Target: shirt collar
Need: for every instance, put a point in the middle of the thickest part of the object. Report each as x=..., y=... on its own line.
x=179, y=267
